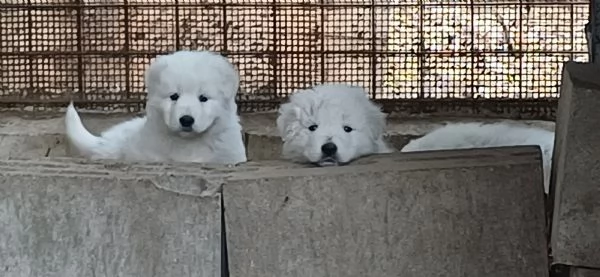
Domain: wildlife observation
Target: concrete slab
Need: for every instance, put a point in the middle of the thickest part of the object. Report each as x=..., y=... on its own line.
x=576, y=168
x=263, y=147
x=584, y=272
x=32, y=147
x=71, y=219
x=445, y=213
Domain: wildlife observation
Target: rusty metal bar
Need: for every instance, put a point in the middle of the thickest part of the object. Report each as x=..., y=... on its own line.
x=177, y=28
x=592, y=31
x=520, y=48
x=224, y=27
x=80, y=66
x=373, y=55
x=421, y=53
x=322, y=47
x=242, y=4
x=273, y=59
x=474, y=52
x=254, y=53
x=126, y=48
x=29, y=43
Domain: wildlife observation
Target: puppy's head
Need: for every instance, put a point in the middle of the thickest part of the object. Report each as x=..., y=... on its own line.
x=190, y=91
x=330, y=125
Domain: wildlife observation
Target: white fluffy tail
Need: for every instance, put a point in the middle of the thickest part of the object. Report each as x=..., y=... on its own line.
x=85, y=142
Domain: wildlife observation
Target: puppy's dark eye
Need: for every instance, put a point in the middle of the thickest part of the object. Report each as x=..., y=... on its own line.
x=203, y=98
x=312, y=128
x=348, y=129
x=174, y=96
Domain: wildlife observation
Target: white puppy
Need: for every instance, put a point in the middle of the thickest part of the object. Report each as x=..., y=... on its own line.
x=191, y=116
x=480, y=135
x=331, y=124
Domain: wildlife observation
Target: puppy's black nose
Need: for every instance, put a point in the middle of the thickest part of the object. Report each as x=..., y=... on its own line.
x=329, y=149
x=186, y=121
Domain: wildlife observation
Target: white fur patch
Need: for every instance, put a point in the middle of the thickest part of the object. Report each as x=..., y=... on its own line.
x=331, y=113
x=191, y=115
x=479, y=135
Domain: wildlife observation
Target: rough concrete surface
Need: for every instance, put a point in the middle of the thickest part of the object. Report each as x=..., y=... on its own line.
x=584, y=272
x=445, y=213
x=66, y=218
x=29, y=137
x=25, y=146
x=576, y=169
x=263, y=147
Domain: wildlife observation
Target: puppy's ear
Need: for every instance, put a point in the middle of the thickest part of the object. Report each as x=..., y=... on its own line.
x=288, y=120
x=230, y=78
x=154, y=71
x=372, y=111
x=376, y=118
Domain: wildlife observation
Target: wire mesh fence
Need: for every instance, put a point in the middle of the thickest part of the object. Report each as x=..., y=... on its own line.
x=418, y=56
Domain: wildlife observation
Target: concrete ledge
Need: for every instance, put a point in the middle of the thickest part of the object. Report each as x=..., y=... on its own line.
x=417, y=213
x=22, y=137
x=32, y=147
x=455, y=213
x=576, y=169
x=584, y=272
x=67, y=218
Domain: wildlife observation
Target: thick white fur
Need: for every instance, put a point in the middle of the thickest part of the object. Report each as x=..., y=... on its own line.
x=215, y=136
x=331, y=107
x=480, y=135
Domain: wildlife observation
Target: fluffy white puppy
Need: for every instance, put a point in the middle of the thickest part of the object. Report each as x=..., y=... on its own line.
x=480, y=135
x=330, y=124
x=191, y=116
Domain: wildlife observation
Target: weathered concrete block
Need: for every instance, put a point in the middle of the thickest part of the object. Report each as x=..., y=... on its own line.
x=576, y=168
x=584, y=272
x=263, y=147
x=32, y=147
x=445, y=213
x=70, y=219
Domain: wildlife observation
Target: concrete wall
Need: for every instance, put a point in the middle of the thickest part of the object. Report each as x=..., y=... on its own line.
x=576, y=170
x=450, y=213
x=72, y=219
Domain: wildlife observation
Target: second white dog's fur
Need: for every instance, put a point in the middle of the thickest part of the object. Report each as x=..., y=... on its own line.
x=480, y=135
x=197, y=85
x=331, y=124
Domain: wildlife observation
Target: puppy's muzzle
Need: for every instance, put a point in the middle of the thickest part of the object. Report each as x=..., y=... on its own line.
x=186, y=122
x=329, y=157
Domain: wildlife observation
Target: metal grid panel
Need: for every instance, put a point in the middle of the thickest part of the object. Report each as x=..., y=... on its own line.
x=413, y=55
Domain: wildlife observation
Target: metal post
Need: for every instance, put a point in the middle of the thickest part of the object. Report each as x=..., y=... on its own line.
x=592, y=31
